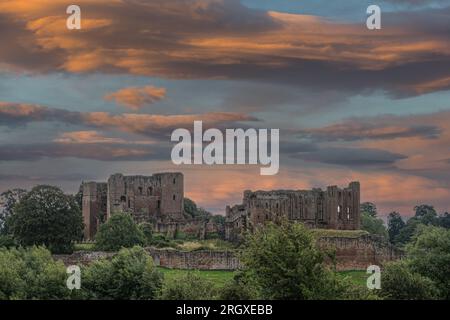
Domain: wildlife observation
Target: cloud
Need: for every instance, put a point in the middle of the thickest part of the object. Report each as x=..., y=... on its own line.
x=382, y=127
x=222, y=39
x=136, y=97
x=93, y=151
x=351, y=157
x=13, y=114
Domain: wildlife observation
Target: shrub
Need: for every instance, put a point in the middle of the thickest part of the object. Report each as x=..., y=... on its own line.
x=285, y=264
x=429, y=255
x=7, y=241
x=399, y=283
x=31, y=274
x=147, y=231
x=119, y=231
x=46, y=216
x=130, y=274
x=189, y=286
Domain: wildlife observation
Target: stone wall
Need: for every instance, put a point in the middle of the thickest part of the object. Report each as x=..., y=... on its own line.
x=202, y=260
x=359, y=253
x=351, y=254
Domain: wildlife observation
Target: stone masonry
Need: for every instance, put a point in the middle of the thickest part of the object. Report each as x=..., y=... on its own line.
x=333, y=208
x=157, y=198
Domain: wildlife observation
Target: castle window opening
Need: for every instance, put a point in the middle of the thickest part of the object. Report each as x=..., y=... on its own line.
x=174, y=197
x=129, y=203
x=140, y=190
x=174, y=180
x=123, y=199
x=150, y=191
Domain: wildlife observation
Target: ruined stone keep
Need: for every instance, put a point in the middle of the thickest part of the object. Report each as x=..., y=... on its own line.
x=333, y=208
x=157, y=198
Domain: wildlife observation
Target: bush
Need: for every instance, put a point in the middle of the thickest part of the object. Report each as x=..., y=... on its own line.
x=31, y=274
x=7, y=241
x=373, y=225
x=130, y=274
x=241, y=287
x=286, y=265
x=429, y=255
x=189, y=286
x=399, y=283
x=118, y=232
x=147, y=231
x=46, y=216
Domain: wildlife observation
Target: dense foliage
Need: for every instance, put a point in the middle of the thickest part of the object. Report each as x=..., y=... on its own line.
x=120, y=231
x=31, y=274
x=400, y=283
x=46, y=216
x=284, y=263
x=9, y=199
x=130, y=274
x=189, y=286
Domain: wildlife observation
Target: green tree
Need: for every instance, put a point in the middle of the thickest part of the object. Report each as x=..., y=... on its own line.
x=444, y=220
x=194, y=212
x=46, y=216
x=395, y=225
x=285, y=264
x=32, y=274
x=119, y=231
x=398, y=282
x=129, y=275
x=373, y=225
x=8, y=200
x=429, y=253
x=147, y=231
x=189, y=286
x=369, y=208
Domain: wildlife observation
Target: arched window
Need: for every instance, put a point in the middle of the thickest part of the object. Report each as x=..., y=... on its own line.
x=174, y=180
x=174, y=197
x=140, y=190
x=123, y=199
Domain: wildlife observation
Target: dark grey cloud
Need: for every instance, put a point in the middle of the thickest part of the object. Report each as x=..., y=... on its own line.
x=93, y=151
x=13, y=114
x=351, y=157
x=49, y=177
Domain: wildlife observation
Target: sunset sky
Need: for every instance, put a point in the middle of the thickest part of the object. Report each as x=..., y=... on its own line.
x=350, y=103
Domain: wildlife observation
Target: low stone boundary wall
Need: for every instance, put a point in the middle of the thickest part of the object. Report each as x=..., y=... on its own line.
x=202, y=260
x=351, y=254
x=359, y=253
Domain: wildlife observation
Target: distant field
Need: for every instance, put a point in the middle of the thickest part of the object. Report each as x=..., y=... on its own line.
x=358, y=277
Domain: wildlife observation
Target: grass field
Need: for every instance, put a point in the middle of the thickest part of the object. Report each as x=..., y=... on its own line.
x=219, y=278
x=357, y=277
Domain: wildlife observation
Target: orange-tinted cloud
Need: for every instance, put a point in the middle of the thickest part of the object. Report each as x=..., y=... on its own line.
x=136, y=97
x=12, y=114
x=224, y=39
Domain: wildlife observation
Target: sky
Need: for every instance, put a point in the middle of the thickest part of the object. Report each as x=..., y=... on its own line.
x=351, y=104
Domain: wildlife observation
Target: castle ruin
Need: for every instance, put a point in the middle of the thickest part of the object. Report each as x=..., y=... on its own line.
x=333, y=208
x=157, y=199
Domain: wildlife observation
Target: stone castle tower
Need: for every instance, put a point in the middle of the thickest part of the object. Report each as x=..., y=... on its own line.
x=147, y=198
